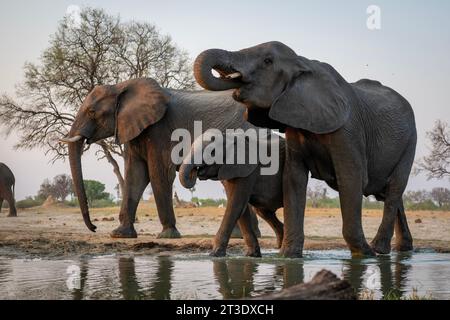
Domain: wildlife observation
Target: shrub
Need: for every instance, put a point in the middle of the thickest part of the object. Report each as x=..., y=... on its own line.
x=29, y=202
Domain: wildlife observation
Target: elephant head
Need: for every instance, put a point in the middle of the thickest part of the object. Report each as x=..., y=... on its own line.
x=213, y=154
x=124, y=111
x=274, y=82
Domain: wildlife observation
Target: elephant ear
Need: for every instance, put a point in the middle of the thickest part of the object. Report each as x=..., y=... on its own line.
x=235, y=170
x=140, y=104
x=315, y=100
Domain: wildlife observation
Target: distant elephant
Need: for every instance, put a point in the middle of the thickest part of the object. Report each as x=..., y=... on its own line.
x=143, y=116
x=360, y=138
x=244, y=183
x=7, y=183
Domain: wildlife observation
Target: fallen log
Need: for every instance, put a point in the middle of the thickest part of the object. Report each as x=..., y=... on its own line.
x=325, y=285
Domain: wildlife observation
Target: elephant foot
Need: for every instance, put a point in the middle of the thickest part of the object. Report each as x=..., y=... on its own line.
x=169, y=233
x=218, y=253
x=124, y=232
x=12, y=215
x=381, y=246
x=364, y=251
x=404, y=245
x=255, y=253
x=288, y=252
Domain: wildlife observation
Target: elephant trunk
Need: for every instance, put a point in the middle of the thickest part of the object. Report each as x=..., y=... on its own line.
x=189, y=168
x=222, y=61
x=188, y=175
x=75, y=152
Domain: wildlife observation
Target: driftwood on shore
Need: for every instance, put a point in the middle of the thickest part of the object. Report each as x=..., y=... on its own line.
x=324, y=286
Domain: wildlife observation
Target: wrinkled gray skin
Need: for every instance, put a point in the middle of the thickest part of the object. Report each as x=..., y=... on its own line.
x=243, y=184
x=359, y=138
x=146, y=117
x=7, y=182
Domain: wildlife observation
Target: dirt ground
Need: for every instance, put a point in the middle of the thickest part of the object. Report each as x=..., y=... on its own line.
x=59, y=231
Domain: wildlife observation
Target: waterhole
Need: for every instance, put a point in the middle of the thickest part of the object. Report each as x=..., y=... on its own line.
x=424, y=273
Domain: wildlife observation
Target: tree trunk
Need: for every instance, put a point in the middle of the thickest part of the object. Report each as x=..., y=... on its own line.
x=324, y=286
x=115, y=165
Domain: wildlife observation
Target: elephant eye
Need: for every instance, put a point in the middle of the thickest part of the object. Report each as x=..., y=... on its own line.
x=268, y=61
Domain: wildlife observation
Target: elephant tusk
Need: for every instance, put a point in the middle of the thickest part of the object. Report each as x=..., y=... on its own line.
x=70, y=140
x=233, y=75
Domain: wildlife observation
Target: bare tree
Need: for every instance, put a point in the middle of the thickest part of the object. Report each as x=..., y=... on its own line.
x=441, y=196
x=316, y=194
x=437, y=163
x=418, y=196
x=62, y=186
x=59, y=188
x=98, y=50
x=45, y=190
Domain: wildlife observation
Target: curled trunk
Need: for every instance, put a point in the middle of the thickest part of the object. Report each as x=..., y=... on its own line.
x=222, y=62
x=188, y=169
x=75, y=151
x=188, y=175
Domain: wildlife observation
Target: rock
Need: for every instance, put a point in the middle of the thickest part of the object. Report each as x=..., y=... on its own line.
x=418, y=221
x=324, y=286
x=108, y=219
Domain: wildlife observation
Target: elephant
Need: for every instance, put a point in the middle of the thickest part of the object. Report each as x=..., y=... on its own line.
x=143, y=116
x=7, y=184
x=359, y=138
x=244, y=183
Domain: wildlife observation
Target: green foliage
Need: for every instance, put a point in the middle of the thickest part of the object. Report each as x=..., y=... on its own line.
x=29, y=202
x=103, y=203
x=323, y=203
x=95, y=190
x=209, y=202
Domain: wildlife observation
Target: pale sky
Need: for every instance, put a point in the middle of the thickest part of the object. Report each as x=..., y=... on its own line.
x=410, y=53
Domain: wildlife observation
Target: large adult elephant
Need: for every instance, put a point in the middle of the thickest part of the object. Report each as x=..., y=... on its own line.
x=360, y=138
x=143, y=116
x=7, y=183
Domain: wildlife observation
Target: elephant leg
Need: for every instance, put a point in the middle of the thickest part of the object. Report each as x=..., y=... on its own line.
x=161, y=179
x=351, y=202
x=9, y=197
x=238, y=194
x=350, y=176
x=271, y=218
x=237, y=234
x=136, y=180
x=403, y=238
x=249, y=234
x=1, y=204
x=394, y=212
x=295, y=180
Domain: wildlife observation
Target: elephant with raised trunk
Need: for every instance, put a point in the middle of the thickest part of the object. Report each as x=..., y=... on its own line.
x=360, y=138
x=244, y=182
x=7, y=184
x=143, y=116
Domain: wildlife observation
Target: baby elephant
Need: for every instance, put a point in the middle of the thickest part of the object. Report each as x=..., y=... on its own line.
x=248, y=178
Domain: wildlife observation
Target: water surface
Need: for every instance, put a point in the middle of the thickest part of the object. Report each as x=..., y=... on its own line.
x=202, y=277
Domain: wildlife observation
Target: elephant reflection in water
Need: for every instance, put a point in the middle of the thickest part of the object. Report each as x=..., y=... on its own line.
x=130, y=288
x=236, y=277
x=160, y=288
x=390, y=271
x=292, y=274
